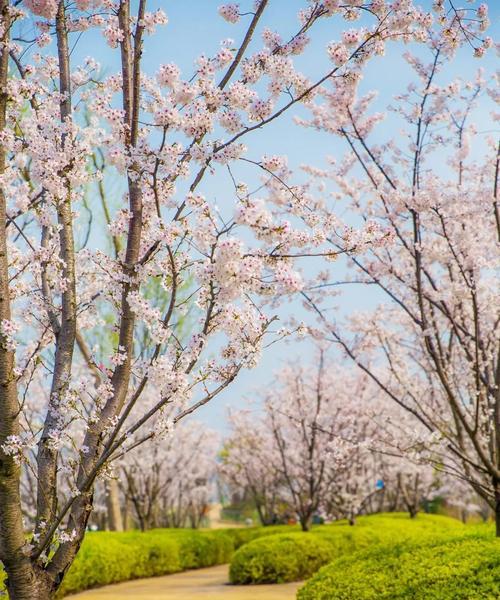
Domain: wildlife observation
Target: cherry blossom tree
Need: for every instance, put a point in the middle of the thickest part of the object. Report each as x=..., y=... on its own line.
x=408, y=484
x=309, y=441
x=162, y=134
x=408, y=480
x=294, y=436
x=172, y=483
x=459, y=496
x=326, y=441
x=246, y=467
x=432, y=347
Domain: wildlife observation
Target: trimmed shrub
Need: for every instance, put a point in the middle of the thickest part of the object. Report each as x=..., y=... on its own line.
x=241, y=536
x=388, y=529
x=102, y=560
x=464, y=568
x=271, y=560
x=203, y=549
x=279, y=558
x=107, y=557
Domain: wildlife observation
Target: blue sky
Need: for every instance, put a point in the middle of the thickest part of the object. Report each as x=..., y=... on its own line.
x=195, y=28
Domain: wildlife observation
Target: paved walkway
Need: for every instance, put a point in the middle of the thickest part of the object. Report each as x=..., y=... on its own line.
x=206, y=584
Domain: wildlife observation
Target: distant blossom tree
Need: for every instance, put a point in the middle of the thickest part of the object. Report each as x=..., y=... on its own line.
x=162, y=135
x=320, y=445
x=246, y=468
x=171, y=483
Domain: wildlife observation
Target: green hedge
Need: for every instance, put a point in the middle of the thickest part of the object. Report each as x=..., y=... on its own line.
x=466, y=568
x=279, y=558
x=297, y=556
x=107, y=557
x=241, y=536
x=388, y=529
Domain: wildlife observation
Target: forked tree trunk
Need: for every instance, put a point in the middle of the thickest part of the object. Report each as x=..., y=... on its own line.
x=20, y=587
x=21, y=581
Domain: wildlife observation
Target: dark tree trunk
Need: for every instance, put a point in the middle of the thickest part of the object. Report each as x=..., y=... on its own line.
x=305, y=522
x=497, y=507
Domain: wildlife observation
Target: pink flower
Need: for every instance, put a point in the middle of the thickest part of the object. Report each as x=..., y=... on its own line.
x=230, y=12
x=260, y=110
x=338, y=53
x=168, y=75
x=42, y=8
x=351, y=37
x=482, y=11
x=88, y=4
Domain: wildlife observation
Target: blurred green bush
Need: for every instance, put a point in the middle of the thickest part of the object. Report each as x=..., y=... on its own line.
x=292, y=557
x=107, y=557
x=280, y=558
x=465, y=566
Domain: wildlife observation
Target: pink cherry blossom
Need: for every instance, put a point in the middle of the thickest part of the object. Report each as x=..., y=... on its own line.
x=230, y=12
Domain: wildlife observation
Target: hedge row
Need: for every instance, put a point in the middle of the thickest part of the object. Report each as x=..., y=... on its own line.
x=107, y=557
x=292, y=557
x=242, y=536
x=464, y=568
x=286, y=554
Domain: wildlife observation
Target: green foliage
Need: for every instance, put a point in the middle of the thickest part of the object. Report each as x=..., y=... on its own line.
x=107, y=557
x=465, y=567
x=386, y=529
x=280, y=558
x=241, y=536
x=284, y=558
x=378, y=550
x=203, y=549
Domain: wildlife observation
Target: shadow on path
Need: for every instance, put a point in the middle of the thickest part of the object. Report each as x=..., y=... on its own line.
x=208, y=583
